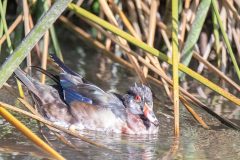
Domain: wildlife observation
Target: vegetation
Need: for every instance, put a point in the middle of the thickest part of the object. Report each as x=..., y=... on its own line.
x=156, y=39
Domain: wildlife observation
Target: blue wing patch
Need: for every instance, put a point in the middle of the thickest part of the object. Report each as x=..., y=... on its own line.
x=71, y=95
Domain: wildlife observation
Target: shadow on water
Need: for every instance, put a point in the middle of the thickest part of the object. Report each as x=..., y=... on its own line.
x=195, y=142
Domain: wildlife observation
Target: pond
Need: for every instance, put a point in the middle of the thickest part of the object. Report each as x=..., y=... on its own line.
x=194, y=143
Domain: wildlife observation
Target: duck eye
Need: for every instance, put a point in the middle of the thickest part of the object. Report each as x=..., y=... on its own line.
x=137, y=98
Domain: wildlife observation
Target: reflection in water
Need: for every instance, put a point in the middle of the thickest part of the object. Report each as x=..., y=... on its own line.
x=195, y=142
x=225, y=108
x=126, y=147
x=15, y=146
x=20, y=151
x=173, y=150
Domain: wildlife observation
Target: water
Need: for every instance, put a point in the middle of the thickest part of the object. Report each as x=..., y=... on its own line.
x=195, y=142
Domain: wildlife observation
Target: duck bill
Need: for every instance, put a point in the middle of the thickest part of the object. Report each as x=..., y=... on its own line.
x=148, y=113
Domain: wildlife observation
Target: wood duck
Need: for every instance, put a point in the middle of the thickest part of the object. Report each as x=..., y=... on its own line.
x=74, y=101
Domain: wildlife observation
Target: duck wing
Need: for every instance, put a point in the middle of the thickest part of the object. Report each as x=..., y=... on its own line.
x=75, y=88
x=63, y=66
x=93, y=95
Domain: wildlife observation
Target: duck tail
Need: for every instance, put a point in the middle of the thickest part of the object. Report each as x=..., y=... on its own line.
x=26, y=81
x=62, y=65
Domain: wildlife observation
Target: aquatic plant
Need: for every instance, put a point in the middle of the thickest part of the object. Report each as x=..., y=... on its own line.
x=139, y=35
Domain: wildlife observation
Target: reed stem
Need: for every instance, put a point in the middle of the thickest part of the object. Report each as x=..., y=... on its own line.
x=175, y=61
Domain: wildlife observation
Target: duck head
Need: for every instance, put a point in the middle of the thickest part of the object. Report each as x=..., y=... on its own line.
x=139, y=101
